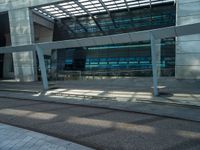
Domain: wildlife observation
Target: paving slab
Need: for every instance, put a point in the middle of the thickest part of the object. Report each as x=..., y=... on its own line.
x=14, y=138
x=98, y=128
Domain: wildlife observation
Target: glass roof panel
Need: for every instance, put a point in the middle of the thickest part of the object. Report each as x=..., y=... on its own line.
x=73, y=8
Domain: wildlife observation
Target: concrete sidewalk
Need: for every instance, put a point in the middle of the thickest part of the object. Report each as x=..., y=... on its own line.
x=183, y=92
x=160, y=109
x=13, y=138
x=180, y=99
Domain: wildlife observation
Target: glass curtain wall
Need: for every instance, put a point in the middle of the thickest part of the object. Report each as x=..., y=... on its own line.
x=118, y=22
x=132, y=59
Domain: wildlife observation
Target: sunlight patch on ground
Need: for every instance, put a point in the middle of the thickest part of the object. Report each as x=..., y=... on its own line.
x=189, y=134
x=116, y=94
x=28, y=114
x=111, y=124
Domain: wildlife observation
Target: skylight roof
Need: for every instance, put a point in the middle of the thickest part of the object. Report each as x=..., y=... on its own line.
x=75, y=8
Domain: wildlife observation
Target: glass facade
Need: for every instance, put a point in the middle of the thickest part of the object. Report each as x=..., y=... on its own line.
x=120, y=22
x=74, y=8
x=124, y=57
x=128, y=57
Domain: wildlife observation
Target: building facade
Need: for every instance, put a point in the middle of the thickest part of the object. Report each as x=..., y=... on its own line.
x=32, y=21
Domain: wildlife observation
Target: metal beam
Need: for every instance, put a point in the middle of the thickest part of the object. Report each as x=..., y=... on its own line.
x=67, y=27
x=59, y=20
x=109, y=13
x=93, y=18
x=150, y=3
x=79, y=23
x=73, y=17
x=160, y=33
x=44, y=11
x=127, y=5
x=22, y=48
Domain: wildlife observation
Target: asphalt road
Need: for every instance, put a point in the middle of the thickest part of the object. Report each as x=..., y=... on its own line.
x=104, y=129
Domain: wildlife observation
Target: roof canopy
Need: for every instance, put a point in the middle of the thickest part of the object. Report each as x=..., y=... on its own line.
x=73, y=8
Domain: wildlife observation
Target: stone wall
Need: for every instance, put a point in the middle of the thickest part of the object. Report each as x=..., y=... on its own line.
x=21, y=30
x=188, y=47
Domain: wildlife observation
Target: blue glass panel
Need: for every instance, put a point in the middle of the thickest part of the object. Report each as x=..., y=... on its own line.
x=68, y=61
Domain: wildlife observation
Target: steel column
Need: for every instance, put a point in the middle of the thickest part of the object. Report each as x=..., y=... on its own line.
x=42, y=67
x=154, y=65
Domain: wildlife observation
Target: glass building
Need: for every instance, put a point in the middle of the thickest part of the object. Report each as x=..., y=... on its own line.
x=80, y=19
x=57, y=20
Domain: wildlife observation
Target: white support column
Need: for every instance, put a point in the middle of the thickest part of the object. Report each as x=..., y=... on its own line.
x=154, y=65
x=42, y=67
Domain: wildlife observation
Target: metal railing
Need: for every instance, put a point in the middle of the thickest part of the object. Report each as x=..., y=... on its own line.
x=95, y=75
